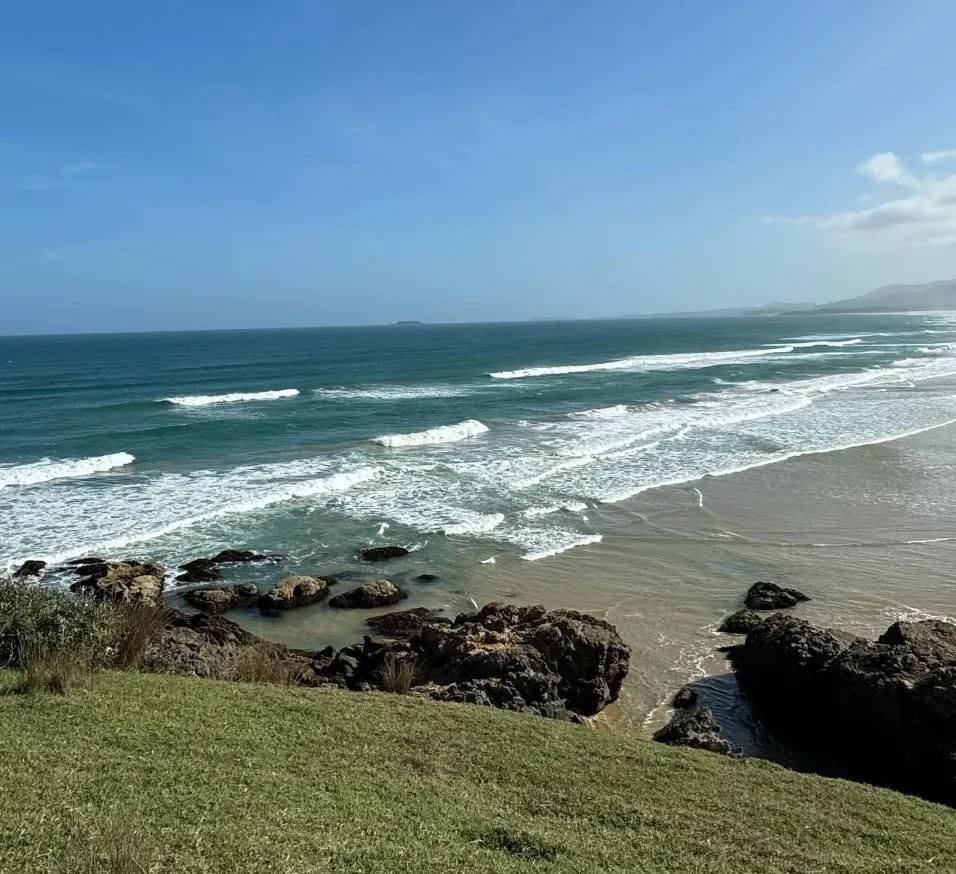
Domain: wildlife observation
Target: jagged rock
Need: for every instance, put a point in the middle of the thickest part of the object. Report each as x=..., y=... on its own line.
x=583, y=658
x=73, y=562
x=405, y=624
x=31, y=568
x=381, y=593
x=695, y=728
x=884, y=712
x=130, y=582
x=383, y=553
x=236, y=556
x=292, y=592
x=221, y=600
x=199, y=570
x=741, y=622
x=685, y=699
x=770, y=596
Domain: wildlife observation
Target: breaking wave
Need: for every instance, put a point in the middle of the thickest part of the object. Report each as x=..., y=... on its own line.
x=48, y=470
x=444, y=434
x=235, y=397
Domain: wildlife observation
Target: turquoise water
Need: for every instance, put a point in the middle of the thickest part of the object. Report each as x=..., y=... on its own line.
x=460, y=442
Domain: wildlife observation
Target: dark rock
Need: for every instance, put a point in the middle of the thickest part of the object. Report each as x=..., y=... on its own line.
x=697, y=729
x=200, y=570
x=31, y=568
x=882, y=712
x=93, y=570
x=684, y=699
x=428, y=578
x=129, y=582
x=583, y=659
x=383, y=553
x=381, y=593
x=932, y=641
x=220, y=600
x=90, y=560
x=770, y=596
x=292, y=592
x=405, y=624
x=741, y=622
x=236, y=556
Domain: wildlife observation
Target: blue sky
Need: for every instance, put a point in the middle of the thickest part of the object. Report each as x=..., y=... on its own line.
x=242, y=164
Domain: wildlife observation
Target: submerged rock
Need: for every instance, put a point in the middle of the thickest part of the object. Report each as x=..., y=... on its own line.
x=236, y=556
x=292, y=592
x=32, y=568
x=383, y=553
x=381, y=593
x=770, y=596
x=199, y=570
x=741, y=622
x=129, y=582
x=221, y=600
x=405, y=624
x=695, y=728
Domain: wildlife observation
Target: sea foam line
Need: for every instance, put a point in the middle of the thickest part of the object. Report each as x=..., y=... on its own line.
x=443, y=434
x=47, y=470
x=680, y=361
x=394, y=393
x=234, y=397
x=563, y=546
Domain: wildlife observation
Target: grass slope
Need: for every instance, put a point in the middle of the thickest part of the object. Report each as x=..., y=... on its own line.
x=217, y=777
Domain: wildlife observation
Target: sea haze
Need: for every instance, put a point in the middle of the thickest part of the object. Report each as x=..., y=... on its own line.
x=442, y=438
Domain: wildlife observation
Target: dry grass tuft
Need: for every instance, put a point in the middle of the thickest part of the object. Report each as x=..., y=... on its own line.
x=264, y=663
x=398, y=673
x=120, y=849
x=53, y=666
x=138, y=626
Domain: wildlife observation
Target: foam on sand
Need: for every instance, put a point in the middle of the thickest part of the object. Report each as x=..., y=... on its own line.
x=444, y=434
x=235, y=397
x=680, y=361
x=47, y=470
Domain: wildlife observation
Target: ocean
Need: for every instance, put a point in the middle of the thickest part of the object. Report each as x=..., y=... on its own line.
x=505, y=449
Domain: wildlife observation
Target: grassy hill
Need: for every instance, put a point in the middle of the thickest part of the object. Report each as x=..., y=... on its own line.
x=171, y=774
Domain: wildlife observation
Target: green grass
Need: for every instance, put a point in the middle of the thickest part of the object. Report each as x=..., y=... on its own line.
x=181, y=775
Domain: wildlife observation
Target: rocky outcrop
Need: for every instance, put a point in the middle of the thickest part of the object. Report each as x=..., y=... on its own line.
x=770, y=596
x=381, y=593
x=741, y=622
x=129, y=582
x=383, y=553
x=559, y=664
x=696, y=728
x=685, y=698
x=884, y=711
x=293, y=592
x=31, y=568
x=221, y=600
x=405, y=624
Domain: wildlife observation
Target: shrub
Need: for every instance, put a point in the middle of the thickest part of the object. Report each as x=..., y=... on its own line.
x=398, y=673
x=52, y=665
x=39, y=624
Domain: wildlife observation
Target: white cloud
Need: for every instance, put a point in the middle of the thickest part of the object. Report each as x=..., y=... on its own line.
x=923, y=215
x=944, y=155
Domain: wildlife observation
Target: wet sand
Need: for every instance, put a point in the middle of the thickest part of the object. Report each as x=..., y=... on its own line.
x=868, y=533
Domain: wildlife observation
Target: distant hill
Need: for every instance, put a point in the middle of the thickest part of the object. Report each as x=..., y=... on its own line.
x=898, y=298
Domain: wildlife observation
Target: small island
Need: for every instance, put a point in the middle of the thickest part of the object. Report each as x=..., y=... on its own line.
x=407, y=322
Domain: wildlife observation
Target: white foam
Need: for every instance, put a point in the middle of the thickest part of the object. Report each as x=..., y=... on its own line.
x=48, y=470
x=538, y=512
x=233, y=398
x=681, y=361
x=488, y=560
x=562, y=546
x=395, y=393
x=481, y=523
x=810, y=344
x=444, y=434
x=601, y=413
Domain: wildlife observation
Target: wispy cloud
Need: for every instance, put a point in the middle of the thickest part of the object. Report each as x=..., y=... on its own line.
x=934, y=157
x=925, y=216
